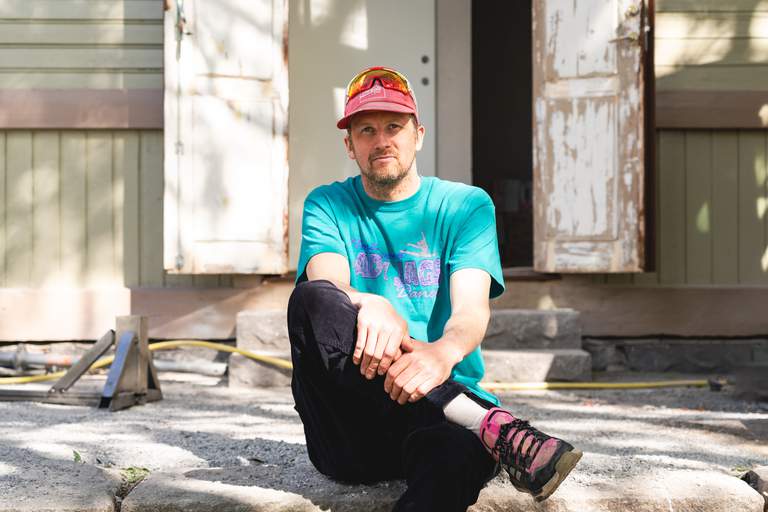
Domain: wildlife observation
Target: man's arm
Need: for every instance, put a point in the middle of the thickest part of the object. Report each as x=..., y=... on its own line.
x=428, y=365
x=380, y=329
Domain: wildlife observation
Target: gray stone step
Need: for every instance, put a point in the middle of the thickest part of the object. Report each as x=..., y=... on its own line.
x=263, y=330
x=533, y=328
x=559, y=364
x=266, y=330
x=273, y=488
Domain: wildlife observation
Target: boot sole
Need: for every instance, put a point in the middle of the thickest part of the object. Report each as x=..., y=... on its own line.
x=567, y=462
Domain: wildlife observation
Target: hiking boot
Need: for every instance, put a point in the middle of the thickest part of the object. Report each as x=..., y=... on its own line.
x=535, y=462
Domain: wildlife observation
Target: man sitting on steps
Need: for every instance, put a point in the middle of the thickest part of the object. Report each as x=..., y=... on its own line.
x=391, y=304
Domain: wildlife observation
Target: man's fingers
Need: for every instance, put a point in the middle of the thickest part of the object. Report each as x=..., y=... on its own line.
x=389, y=352
x=394, y=371
x=403, y=379
x=370, y=346
x=410, y=387
x=424, y=388
x=362, y=331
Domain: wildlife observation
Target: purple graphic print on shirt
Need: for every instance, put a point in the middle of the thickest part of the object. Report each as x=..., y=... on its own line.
x=417, y=270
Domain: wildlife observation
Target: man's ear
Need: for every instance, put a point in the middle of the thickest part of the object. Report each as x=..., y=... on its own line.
x=420, y=130
x=348, y=146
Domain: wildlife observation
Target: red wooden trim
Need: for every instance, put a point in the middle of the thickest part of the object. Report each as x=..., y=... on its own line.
x=81, y=108
x=711, y=109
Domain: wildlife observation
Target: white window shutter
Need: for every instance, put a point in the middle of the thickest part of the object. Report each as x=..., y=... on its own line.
x=226, y=158
x=588, y=135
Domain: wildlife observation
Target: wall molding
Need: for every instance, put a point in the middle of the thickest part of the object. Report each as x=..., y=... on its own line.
x=712, y=109
x=81, y=108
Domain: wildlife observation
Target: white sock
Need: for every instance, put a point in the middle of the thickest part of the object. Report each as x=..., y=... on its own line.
x=465, y=412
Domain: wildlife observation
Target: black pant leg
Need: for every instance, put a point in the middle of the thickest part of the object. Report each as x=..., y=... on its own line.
x=446, y=467
x=354, y=431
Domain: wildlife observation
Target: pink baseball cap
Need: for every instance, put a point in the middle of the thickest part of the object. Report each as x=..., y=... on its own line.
x=378, y=88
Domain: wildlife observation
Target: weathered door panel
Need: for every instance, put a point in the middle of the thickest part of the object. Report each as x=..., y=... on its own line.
x=588, y=137
x=226, y=108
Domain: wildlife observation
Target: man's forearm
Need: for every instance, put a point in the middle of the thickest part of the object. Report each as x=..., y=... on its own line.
x=463, y=333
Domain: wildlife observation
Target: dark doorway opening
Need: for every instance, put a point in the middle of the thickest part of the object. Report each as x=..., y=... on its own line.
x=502, y=138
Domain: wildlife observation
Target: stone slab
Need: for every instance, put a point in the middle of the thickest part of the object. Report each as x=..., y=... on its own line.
x=245, y=372
x=49, y=485
x=263, y=330
x=533, y=328
x=508, y=329
x=537, y=365
x=757, y=478
x=275, y=488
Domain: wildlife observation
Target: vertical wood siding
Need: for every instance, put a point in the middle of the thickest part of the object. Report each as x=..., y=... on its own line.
x=712, y=204
x=84, y=209
x=97, y=44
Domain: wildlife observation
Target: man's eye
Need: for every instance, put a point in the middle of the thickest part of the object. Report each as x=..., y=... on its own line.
x=367, y=130
x=394, y=126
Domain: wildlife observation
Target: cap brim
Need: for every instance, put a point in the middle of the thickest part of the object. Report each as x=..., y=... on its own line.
x=380, y=106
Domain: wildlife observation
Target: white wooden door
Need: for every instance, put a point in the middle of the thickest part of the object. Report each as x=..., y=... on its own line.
x=588, y=135
x=226, y=111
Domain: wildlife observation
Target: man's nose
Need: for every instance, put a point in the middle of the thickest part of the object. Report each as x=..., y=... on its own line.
x=382, y=139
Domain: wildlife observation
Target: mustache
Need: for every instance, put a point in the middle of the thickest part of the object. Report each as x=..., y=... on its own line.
x=381, y=154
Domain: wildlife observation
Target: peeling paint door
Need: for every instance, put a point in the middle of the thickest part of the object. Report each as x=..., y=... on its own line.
x=226, y=111
x=588, y=137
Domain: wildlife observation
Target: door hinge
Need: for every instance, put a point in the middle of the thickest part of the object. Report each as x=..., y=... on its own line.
x=179, y=148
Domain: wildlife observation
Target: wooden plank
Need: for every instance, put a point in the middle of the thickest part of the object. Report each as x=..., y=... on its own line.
x=19, y=207
x=79, y=79
x=127, y=151
x=82, y=9
x=73, y=208
x=723, y=52
x=671, y=213
x=83, y=57
x=711, y=25
x=752, y=208
x=151, y=197
x=46, y=235
x=81, y=108
x=712, y=109
x=618, y=279
x=698, y=207
x=725, y=193
x=26, y=33
x=712, y=78
x=100, y=239
x=652, y=278
x=3, y=208
x=690, y=6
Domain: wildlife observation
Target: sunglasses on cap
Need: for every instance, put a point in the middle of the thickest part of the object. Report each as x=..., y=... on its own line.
x=387, y=78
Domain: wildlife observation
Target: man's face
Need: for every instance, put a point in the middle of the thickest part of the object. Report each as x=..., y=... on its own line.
x=384, y=144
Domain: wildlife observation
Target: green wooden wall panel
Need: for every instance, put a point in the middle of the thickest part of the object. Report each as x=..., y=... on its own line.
x=672, y=231
x=18, y=213
x=752, y=208
x=151, y=209
x=74, y=211
x=698, y=207
x=725, y=197
x=100, y=221
x=46, y=235
x=3, y=203
x=127, y=151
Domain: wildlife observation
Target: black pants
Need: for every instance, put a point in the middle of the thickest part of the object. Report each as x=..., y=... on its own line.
x=355, y=433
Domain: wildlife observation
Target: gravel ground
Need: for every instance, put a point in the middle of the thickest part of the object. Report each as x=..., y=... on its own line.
x=201, y=423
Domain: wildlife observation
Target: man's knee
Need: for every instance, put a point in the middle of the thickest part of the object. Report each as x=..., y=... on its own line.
x=310, y=297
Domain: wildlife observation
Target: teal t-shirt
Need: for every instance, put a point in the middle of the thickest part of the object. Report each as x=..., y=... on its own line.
x=406, y=250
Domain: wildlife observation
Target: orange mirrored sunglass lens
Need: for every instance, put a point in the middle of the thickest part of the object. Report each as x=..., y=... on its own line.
x=387, y=78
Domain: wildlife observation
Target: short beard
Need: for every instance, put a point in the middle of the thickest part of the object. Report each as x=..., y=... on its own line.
x=383, y=186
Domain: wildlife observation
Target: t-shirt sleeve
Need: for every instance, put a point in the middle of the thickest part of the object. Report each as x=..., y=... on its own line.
x=476, y=245
x=319, y=231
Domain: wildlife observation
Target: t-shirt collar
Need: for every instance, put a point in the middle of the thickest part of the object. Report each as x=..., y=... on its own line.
x=390, y=206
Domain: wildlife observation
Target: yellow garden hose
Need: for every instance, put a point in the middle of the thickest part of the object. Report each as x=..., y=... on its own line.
x=282, y=363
